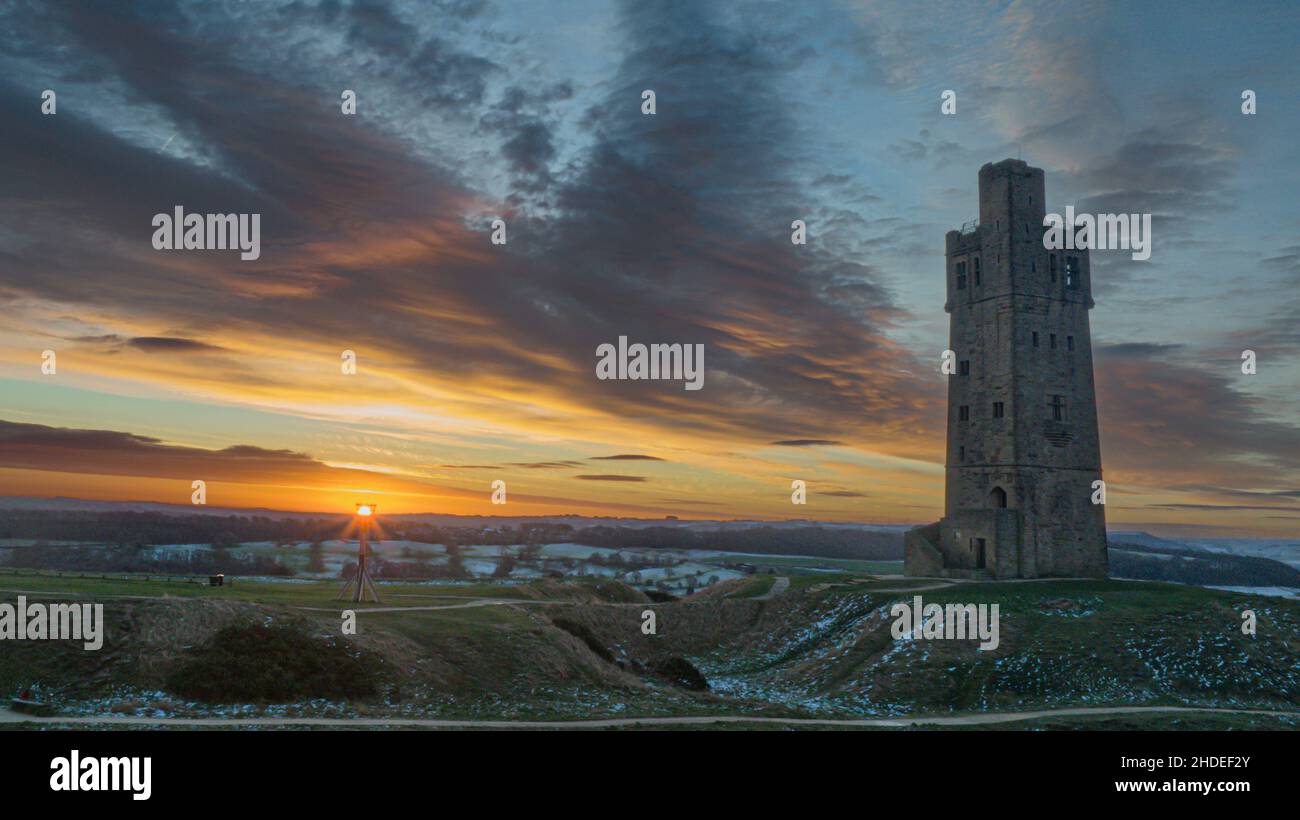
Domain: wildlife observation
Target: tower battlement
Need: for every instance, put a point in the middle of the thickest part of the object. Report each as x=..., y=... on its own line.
x=1023, y=449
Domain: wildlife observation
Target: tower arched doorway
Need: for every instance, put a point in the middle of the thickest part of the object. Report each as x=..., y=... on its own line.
x=998, y=498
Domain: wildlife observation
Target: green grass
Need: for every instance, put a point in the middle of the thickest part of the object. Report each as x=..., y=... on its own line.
x=815, y=651
x=289, y=593
x=1063, y=644
x=755, y=585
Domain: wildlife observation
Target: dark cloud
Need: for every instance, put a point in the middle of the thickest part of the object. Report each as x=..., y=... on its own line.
x=611, y=478
x=1218, y=490
x=451, y=77
x=1168, y=422
x=113, y=453
x=807, y=442
x=37, y=446
x=670, y=228
x=626, y=457
x=373, y=24
x=925, y=146
x=166, y=344
x=1183, y=184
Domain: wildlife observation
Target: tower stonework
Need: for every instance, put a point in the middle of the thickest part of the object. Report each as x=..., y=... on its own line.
x=1023, y=450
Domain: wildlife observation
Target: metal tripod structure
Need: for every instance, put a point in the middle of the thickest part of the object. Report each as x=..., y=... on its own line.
x=359, y=586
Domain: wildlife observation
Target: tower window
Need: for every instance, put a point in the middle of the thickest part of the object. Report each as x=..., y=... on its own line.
x=1035, y=338
x=1051, y=263
x=1032, y=267
x=1057, y=406
x=961, y=276
x=1051, y=341
x=963, y=413
x=977, y=271
x=1069, y=342
x=1072, y=272
x=961, y=453
x=998, y=409
x=963, y=367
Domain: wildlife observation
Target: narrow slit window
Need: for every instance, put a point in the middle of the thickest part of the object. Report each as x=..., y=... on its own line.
x=963, y=413
x=998, y=410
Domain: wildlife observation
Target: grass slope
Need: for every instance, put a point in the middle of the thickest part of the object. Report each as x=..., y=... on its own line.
x=821, y=649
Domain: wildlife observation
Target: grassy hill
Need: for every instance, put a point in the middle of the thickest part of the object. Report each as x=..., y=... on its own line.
x=822, y=649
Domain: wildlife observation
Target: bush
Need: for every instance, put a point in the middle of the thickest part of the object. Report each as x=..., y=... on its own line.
x=683, y=673
x=258, y=663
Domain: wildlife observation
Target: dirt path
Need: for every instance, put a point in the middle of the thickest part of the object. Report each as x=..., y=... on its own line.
x=779, y=586
x=891, y=590
x=991, y=718
x=430, y=607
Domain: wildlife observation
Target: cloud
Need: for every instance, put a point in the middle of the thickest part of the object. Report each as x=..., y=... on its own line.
x=1165, y=423
x=109, y=452
x=807, y=442
x=165, y=344
x=663, y=228
x=626, y=457
x=670, y=228
x=611, y=478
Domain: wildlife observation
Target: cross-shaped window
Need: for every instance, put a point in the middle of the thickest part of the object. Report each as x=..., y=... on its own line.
x=1058, y=408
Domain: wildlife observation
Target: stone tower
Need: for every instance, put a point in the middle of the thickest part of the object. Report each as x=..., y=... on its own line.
x=1023, y=449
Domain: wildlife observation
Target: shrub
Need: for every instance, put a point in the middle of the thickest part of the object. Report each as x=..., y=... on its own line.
x=259, y=663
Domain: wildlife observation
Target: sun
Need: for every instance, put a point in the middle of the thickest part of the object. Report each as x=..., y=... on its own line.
x=363, y=510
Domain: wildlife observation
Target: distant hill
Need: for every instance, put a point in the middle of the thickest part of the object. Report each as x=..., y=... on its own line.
x=39, y=529
x=62, y=504
x=1156, y=562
